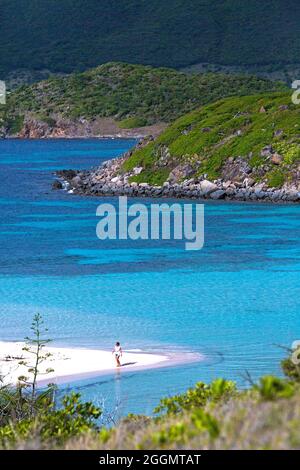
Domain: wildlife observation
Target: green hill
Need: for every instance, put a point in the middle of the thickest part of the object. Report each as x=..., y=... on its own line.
x=69, y=36
x=257, y=136
x=134, y=95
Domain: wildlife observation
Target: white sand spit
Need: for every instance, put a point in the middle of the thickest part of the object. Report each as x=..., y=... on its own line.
x=70, y=364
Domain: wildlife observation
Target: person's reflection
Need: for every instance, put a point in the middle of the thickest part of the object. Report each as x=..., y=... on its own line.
x=118, y=394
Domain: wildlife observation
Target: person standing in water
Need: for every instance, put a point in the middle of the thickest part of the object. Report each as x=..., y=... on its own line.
x=117, y=352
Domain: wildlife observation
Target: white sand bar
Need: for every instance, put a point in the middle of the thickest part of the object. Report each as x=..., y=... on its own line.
x=71, y=364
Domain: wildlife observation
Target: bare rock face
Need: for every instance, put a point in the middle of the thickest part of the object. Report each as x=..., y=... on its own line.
x=57, y=126
x=180, y=173
x=236, y=170
x=34, y=129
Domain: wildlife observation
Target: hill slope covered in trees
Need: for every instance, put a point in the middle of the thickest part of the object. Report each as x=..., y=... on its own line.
x=132, y=95
x=66, y=36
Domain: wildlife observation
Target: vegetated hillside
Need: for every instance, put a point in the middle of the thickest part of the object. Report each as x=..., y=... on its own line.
x=257, y=137
x=65, y=36
x=134, y=95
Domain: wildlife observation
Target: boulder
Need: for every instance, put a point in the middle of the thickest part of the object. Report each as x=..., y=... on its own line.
x=67, y=174
x=260, y=194
x=240, y=194
x=293, y=196
x=137, y=170
x=115, y=179
x=267, y=151
x=226, y=184
x=57, y=185
x=248, y=182
x=276, y=195
x=276, y=159
x=207, y=187
x=76, y=181
x=219, y=194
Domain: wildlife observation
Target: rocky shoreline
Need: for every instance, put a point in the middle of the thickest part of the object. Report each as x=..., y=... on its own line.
x=109, y=179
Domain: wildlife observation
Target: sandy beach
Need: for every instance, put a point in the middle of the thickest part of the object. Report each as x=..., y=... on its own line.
x=71, y=364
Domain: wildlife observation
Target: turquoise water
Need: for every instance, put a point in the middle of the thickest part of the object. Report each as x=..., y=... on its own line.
x=234, y=301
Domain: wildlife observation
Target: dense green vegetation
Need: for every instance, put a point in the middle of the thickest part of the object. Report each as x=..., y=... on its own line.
x=135, y=95
x=66, y=36
x=233, y=127
x=213, y=416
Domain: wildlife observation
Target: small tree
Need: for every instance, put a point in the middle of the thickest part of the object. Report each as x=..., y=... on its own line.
x=35, y=346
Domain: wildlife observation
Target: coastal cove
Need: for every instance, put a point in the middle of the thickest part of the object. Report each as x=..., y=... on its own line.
x=232, y=302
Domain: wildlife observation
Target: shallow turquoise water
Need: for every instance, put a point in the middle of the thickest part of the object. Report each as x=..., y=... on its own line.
x=234, y=301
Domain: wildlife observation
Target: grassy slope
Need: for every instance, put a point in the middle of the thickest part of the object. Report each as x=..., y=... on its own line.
x=232, y=127
x=265, y=417
x=133, y=94
x=68, y=36
x=244, y=423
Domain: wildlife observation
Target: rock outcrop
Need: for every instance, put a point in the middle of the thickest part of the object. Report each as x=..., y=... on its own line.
x=33, y=128
x=110, y=179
